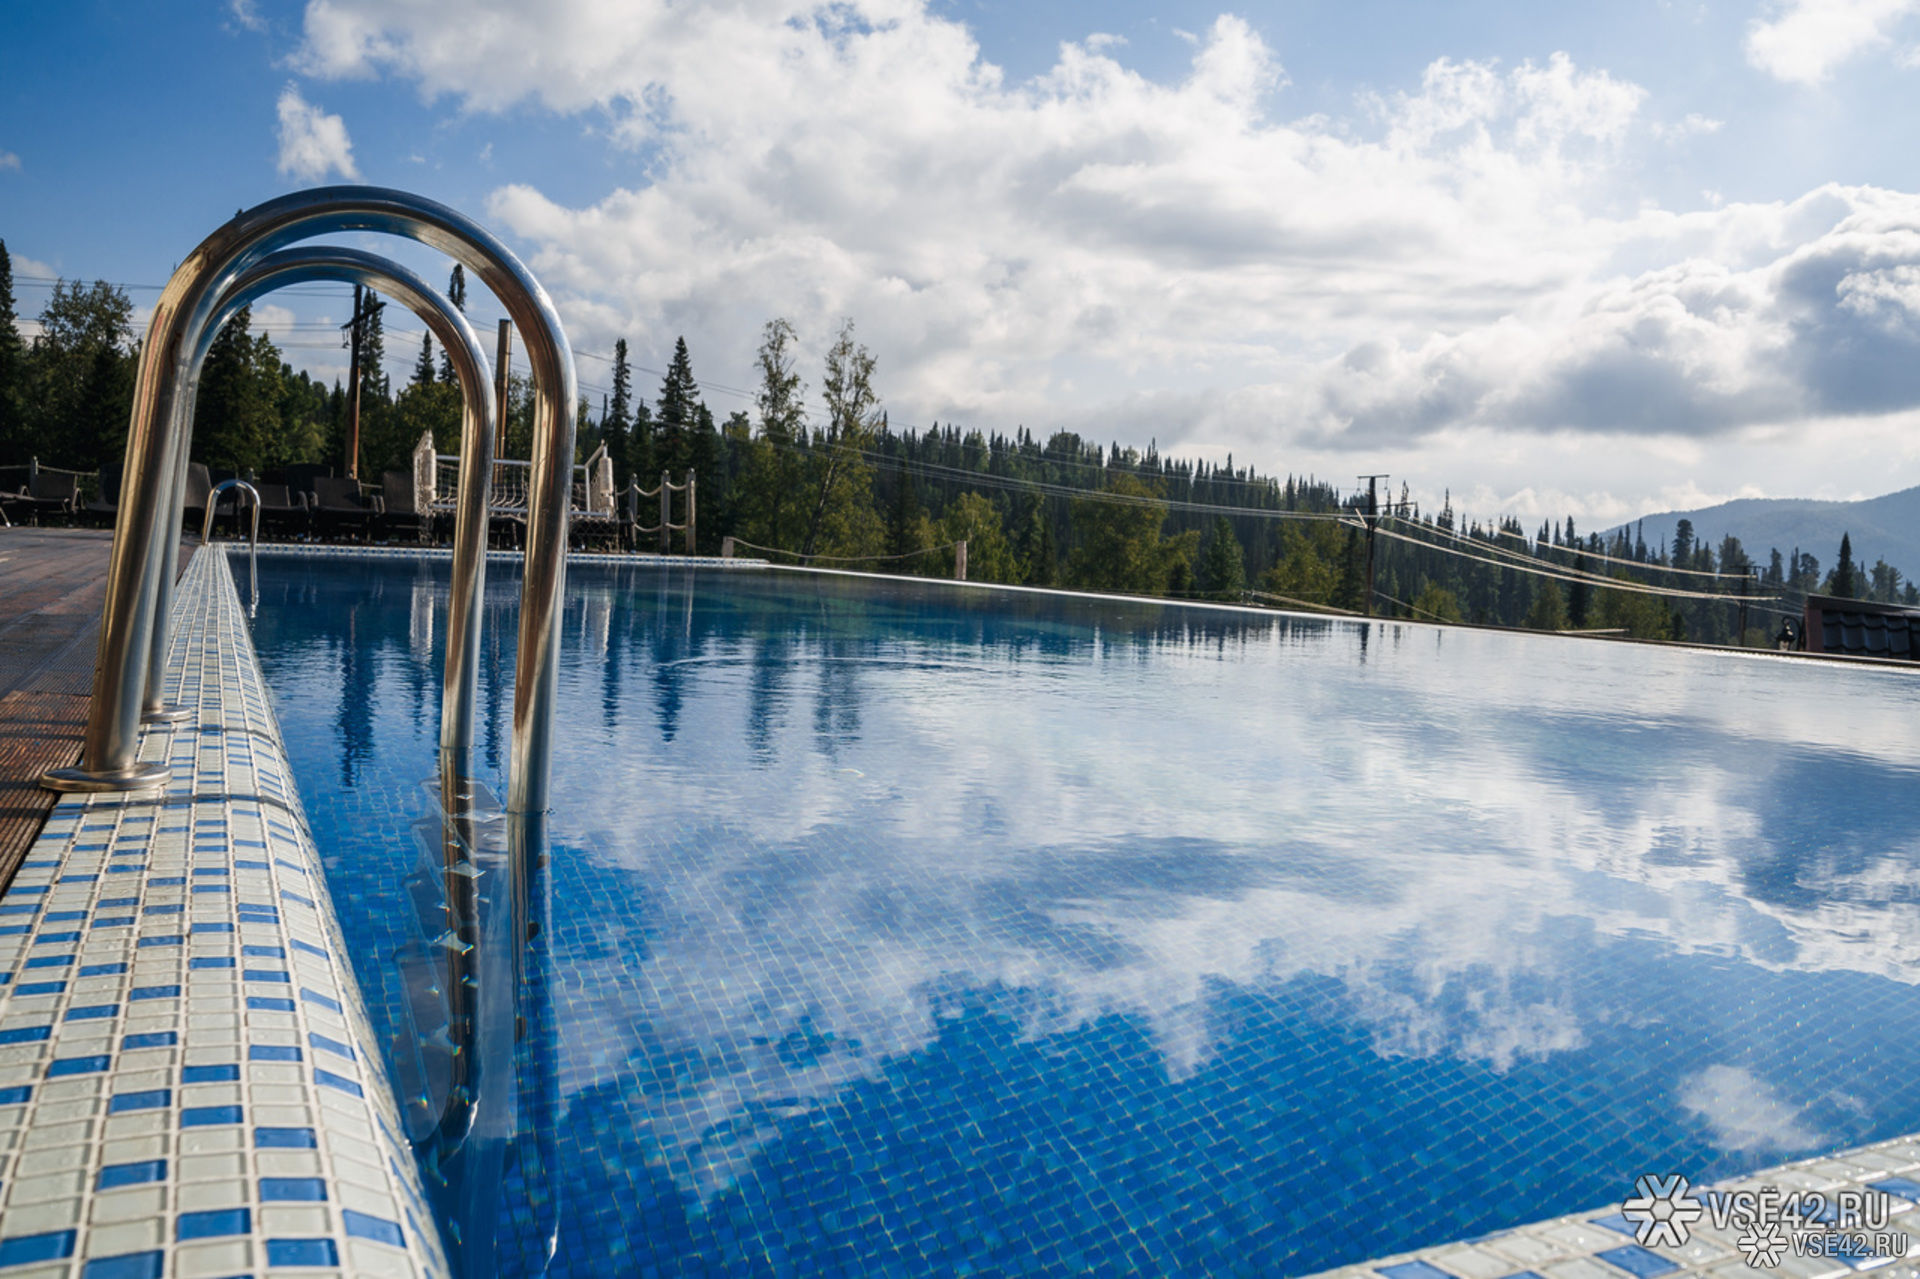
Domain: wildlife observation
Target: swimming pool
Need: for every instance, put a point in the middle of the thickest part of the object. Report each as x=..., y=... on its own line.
x=918, y=927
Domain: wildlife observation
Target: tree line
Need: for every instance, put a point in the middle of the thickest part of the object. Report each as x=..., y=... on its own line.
x=824, y=477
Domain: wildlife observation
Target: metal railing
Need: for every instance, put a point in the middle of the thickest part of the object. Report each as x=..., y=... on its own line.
x=213, y=498
x=253, y=539
x=134, y=623
x=664, y=490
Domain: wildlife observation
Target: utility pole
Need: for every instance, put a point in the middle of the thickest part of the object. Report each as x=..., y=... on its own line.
x=353, y=384
x=1373, y=519
x=1740, y=636
x=502, y=356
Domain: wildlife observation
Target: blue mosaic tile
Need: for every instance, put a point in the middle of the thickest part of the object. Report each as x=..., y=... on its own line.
x=210, y=1116
x=128, y=1265
x=302, y=1252
x=1643, y=1263
x=363, y=1226
x=214, y=1224
x=292, y=1190
x=149, y=1039
x=16, y=1094
x=285, y=1138
x=1900, y=1187
x=150, y=1099
x=63, y=1066
x=22, y=1249
x=273, y=1052
x=114, y=1176
x=327, y=1079
x=1413, y=1270
x=209, y=1074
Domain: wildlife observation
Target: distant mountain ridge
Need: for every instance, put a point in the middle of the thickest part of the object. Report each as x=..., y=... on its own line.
x=1882, y=528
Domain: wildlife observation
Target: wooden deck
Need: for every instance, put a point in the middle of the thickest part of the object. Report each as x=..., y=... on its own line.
x=52, y=584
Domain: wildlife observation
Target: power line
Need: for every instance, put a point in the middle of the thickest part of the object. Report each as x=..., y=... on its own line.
x=1587, y=579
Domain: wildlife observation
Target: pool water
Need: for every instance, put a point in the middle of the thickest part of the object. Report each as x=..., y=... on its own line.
x=906, y=927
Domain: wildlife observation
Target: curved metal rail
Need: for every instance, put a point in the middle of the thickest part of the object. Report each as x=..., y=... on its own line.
x=462, y=344
x=133, y=624
x=213, y=495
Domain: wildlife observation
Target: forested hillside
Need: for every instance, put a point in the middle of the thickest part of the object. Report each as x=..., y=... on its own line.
x=822, y=476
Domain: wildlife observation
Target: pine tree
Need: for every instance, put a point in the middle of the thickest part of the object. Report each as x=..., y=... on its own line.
x=237, y=423
x=423, y=367
x=1222, y=569
x=1549, y=610
x=616, y=424
x=456, y=294
x=13, y=371
x=1842, y=583
x=677, y=411
x=83, y=376
x=373, y=353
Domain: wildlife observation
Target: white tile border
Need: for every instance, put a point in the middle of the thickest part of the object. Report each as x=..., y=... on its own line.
x=189, y=1084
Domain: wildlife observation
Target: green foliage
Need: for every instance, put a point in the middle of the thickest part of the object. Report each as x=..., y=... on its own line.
x=1118, y=546
x=1549, y=609
x=842, y=521
x=83, y=376
x=1436, y=603
x=456, y=294
x=236, y=416
x=990, y=558
x=1641, y=615
x=13, y=369
x=1222, y=570
x=1306, y=569
x=1843, y=581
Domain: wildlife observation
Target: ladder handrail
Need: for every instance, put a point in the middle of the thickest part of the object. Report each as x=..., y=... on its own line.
x=213, y=494
x=131, y=622
x=471, y=369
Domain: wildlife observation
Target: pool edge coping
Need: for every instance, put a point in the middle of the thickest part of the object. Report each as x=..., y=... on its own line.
x=173, y=1083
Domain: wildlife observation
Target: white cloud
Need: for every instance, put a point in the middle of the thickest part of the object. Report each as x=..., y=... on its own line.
x=247, y=14
x=1809, y=38
x=1460, y=277
x=1744, y=1112
x=312, y=143
x=8, y=160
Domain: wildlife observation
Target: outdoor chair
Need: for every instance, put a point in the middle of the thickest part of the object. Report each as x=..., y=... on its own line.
x=52, y=495
x=339, y=506
x=398, y=511
x=199, y=487
x=302, y=476
x=104, y=507
x=282, y=510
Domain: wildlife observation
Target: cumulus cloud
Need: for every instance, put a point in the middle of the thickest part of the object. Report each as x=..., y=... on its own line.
x=9, y=161
x=312, y=143
x=1096, y=250
x=1744, y=1112
x=247, y=14
x=1809, y=38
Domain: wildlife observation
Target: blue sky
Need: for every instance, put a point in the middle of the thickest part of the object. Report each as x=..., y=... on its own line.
x=1594, y=260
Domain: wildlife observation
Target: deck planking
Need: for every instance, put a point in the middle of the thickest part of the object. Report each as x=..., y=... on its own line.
x=53, y=582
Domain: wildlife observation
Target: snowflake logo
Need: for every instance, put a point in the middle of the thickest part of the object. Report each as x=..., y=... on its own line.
x=1762, y=1243
x=1661, y=1209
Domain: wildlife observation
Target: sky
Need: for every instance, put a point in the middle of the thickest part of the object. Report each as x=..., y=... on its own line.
x=1597, y=260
